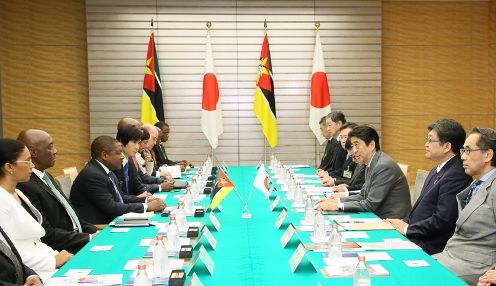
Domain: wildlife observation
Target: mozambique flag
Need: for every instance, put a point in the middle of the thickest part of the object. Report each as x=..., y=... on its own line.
x=152, y=105
x=223, y=187
x=265, y=103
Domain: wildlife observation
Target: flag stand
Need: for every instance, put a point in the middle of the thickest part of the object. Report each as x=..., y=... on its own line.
x=246, y=212
x=265, y=151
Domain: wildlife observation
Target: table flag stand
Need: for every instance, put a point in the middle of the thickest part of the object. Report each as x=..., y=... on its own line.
x=246, y=212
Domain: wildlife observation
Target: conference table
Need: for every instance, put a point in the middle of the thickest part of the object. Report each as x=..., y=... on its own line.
x=249, y=250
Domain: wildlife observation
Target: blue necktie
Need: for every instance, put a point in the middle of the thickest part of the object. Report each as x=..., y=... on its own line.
x=114, y=180
x=126, y=177
x=473, y=191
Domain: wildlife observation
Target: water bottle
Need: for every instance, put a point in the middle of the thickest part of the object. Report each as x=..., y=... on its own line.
x=291, y=188
x=195, y=187
x=309, y=211
x=142, y=277
x=299, y=201
x=160, y=257
x=189, y=203
x=181, y=221
x=319, y=227
x=334, y=251
x=361, y=277
x=173, y=234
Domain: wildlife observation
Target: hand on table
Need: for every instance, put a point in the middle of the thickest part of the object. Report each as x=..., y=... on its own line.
x=62, y=257
x=322, y=174
x=155, y=204
x=488, y=278
x=327, y=181
x=340, y=188
x=328, y=204
x=398, y=224
x=33, y=280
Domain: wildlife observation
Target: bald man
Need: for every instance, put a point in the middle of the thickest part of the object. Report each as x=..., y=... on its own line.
x=128, y=121
x=63, y=226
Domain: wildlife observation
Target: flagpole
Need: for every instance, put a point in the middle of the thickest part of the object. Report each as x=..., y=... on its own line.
x=265, y=139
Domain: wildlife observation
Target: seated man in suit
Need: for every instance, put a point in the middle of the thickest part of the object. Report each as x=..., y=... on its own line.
x=96, y=192
x=64, y=228
x=326, y=158
x=128, y=175
x=385, y=191
x=14, y=271
x=471, y=250
x=355, y=184
x=431, y=222
x=163, y=137
x=343, y=174
x=335, y=154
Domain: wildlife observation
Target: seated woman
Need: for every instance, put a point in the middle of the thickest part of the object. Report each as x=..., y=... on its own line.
x=20, y=220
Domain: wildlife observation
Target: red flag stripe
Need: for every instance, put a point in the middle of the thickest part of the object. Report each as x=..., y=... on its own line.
x=210, y=92
x=320, y=90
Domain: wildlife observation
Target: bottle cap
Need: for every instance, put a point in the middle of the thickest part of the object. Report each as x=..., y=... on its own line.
x=172, y=217
x=361, y=258
x=142, y=266
x=159, y=237
x=334, y=226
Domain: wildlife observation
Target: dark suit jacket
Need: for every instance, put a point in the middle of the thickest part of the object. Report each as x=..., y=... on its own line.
x=161, y=156
x=433, y=217
x=95, y=199
x=7, y=273
x=326, y=158
x=335, y=157
x=57, y=223
x=357, y=179
x=338, y=174
x=134, y=185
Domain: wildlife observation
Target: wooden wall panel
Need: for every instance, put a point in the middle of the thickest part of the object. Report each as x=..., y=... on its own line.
x=44, y=74
x=118, y=33
x=438, y=61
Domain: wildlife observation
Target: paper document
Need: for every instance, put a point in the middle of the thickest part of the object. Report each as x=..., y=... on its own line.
x=98, y=280
x=175, y=170
x=388, y=245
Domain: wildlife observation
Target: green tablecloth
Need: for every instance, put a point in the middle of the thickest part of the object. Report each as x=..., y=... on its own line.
x=249, y=251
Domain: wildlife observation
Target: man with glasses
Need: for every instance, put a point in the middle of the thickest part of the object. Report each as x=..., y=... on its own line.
x=343, y=174
x=431, y=222
x=385, y=191
x=472, y=249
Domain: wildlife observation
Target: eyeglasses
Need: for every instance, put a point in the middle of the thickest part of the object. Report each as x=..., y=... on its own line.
x=430, y=140
x=468, y=150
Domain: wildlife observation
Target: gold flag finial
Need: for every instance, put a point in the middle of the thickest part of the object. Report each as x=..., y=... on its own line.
x=317, y=25
x=209, y=24
x=265, y=24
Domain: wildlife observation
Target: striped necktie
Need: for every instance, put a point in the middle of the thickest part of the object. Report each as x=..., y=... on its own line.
x=473, y=191
x=70, y=211
x=114, y=180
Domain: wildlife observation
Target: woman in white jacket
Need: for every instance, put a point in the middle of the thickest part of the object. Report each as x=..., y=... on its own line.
x=20, y=220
